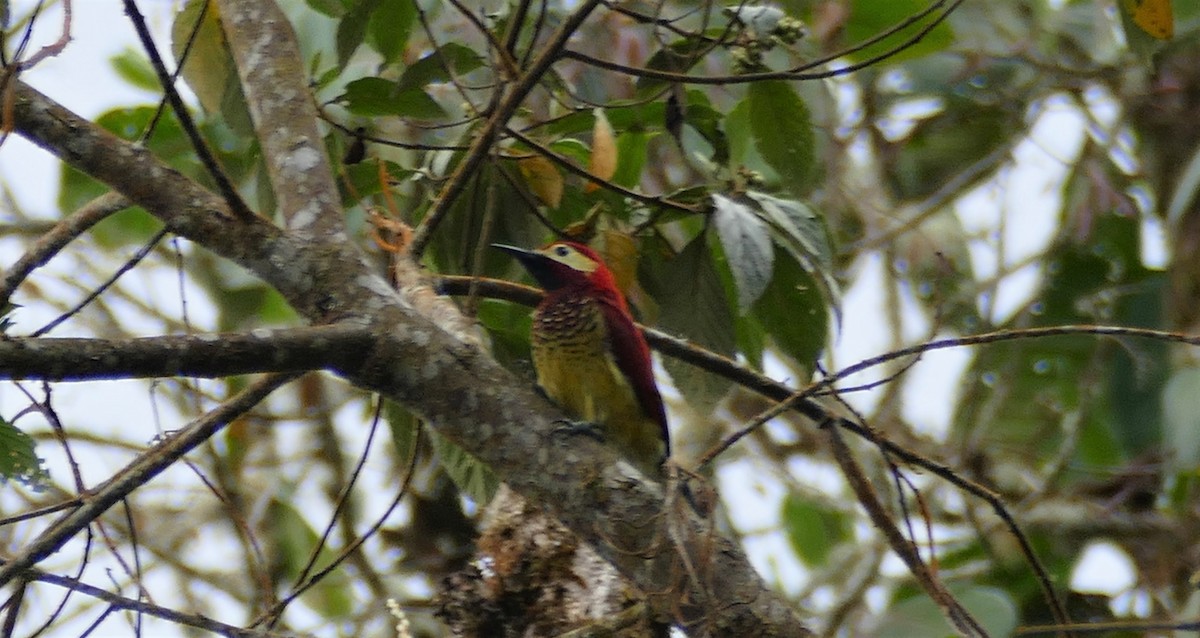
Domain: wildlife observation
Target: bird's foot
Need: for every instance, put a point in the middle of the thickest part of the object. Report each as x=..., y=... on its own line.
x=694, y=488
x=586, y=428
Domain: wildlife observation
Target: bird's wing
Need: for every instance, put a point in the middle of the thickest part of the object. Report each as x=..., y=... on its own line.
x=632, y=355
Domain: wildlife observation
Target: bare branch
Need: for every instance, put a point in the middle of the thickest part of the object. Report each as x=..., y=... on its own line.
x=121, y=602
x=211, y=356
x=959, y=617
x=57, y=238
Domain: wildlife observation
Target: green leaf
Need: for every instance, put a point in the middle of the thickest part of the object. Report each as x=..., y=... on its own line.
x=331, y=8
x=438, y=66
x=572, y=148
x=18, y=461
x=403, y=426
x=209, y=69
x=631, y=152
x=293, y=542
x=793, y=311
x=352, y=29
x=783, y=133
x=869, y=18
x=373, y=96
x=814, y=529
x=689, y=291
x=390, y=26
x=746, y=240
x=133, y=67
x=472, y=476
x=802, y=233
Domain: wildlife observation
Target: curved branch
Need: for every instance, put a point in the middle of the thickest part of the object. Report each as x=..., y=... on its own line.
x=57, y=238
x=116, y=601
x=954, y=612
x=801, y=72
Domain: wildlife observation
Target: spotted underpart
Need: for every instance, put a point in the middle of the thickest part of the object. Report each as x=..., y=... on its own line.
x=572, y=354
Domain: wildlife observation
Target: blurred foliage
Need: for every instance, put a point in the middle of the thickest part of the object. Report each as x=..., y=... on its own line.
x=740, y=212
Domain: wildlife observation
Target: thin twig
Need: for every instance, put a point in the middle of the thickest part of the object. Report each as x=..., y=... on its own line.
x=99, y=290
x=138, y=473
x=278, y=608
x=51, y=243
x=481, y=146
x=203, y=152
x=801, y=72
x=958, y=615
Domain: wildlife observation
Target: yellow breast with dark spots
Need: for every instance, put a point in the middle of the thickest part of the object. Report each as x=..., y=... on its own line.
x=576, y=368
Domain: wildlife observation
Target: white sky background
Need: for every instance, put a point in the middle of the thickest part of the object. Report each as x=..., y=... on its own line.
x=82, y=79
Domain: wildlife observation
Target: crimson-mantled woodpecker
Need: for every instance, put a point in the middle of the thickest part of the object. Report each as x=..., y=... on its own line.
x=589, y=355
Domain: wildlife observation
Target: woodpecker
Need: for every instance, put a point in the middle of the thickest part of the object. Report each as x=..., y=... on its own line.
x=590, y=357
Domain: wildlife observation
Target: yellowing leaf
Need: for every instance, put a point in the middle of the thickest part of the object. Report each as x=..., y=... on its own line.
x=1155, y=17
x=209, y=68
x=620, y=253
x=603, y=163
x=543, y=179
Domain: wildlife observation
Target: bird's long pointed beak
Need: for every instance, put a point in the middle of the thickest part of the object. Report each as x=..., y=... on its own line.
x=531, y=260
x=534, y=262
x=519, y=253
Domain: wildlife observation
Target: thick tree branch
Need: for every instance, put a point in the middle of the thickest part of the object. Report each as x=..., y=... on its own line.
x=185, y=207
x=285, y=118
x=291, y=350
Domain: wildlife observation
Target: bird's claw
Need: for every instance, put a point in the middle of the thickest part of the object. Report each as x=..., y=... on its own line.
x=586, y=428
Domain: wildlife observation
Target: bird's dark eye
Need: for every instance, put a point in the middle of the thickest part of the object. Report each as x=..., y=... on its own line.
x=562, y=251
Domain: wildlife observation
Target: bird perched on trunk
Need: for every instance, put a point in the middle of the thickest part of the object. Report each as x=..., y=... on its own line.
x=589, y=356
